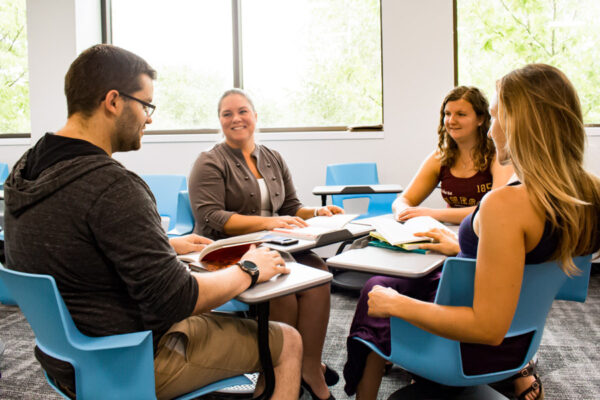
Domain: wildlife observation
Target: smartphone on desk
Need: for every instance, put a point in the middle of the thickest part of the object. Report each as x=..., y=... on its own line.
x=282, y=241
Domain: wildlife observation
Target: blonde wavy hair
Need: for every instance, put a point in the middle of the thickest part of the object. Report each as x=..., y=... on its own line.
x=546, y=141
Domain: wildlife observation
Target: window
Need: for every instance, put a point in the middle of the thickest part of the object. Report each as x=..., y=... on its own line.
x=307, y=64
x=14, y=79
x=496, y=36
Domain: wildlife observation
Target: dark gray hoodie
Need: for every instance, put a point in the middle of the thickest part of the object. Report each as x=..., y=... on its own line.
x=93, y=226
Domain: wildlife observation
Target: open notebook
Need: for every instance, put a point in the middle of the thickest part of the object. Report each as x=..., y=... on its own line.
x=402, y=233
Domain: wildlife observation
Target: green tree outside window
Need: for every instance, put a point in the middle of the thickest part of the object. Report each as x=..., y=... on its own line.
x=496, y=36
x=14, y=79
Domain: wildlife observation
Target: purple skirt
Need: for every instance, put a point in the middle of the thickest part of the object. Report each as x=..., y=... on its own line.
x=377, y=330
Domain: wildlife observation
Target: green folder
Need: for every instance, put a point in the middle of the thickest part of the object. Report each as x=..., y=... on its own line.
x=386, y=245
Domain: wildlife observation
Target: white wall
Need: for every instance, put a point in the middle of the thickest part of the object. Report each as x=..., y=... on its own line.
x=417, y=73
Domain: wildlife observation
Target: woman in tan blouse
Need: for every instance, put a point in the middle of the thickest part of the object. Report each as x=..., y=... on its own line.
x=240, y=187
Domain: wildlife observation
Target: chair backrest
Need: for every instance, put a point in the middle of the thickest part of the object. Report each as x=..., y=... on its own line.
x=110, y=367
x=359, y=174
x=439, y=359
x=576, y=287
x=166, y=190
x=5, y=297
x=184, y=218
x=4, y=170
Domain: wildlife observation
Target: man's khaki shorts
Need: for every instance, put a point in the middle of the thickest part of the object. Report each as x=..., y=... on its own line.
x=206, y=348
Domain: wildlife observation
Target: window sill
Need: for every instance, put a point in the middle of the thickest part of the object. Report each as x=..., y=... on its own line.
x=592, y=130
x=15, y=141
x=266, y=137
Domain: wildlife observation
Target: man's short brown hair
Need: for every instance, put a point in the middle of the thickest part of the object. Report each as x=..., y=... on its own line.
x=99, y=69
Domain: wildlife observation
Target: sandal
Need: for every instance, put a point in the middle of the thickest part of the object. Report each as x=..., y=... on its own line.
x=312, y=394
x=331, y=377
x=530, y=370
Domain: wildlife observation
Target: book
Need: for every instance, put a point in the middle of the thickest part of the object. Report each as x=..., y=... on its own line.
x=222, y=253
x=402, y=233
x=318, y=226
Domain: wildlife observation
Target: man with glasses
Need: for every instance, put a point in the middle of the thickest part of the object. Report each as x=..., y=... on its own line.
x=75, y=213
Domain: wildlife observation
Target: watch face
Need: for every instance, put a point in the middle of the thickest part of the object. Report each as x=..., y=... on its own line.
x=249, y=265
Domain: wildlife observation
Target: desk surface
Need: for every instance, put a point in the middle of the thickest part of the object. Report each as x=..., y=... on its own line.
x=380, y=261
x=356, y=189
x=301, y=277
x=377, y=260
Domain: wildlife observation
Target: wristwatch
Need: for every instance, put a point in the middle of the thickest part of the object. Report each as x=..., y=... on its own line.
x=251, y=269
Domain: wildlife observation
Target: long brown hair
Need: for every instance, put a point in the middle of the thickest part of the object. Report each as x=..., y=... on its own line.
x=483, y=152
x=546, y=140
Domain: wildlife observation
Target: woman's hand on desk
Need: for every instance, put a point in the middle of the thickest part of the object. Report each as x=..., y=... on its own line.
x=269, y=262
x=411, y=212
x=328, y=211
x=189, y=243
x=446, y=242
x=284, y=221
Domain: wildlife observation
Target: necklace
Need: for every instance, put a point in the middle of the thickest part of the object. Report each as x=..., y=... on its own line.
x=465, y=164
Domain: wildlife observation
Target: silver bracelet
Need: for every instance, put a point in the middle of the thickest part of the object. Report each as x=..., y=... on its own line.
x=316, y=211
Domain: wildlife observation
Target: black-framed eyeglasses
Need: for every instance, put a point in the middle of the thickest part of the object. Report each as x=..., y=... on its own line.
x=148, y=108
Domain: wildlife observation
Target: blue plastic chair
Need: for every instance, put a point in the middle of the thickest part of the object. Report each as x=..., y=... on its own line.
x=576, y=287
x=439, y=359
x=4, y=170
x=184, y=218
x=359, y=174
x=5, y=296
x=110, y=367
x=171, y=202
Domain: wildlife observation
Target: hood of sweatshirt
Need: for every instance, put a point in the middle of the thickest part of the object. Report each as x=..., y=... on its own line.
x=21, y=194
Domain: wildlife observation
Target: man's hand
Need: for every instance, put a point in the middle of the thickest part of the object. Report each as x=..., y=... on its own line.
x=269, y=262
x=284, y=221
x=328, y=211
x=381, y=301
x=189, y=243
x=446, y=241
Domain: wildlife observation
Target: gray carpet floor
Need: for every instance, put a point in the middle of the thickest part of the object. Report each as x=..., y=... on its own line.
x=569, y=356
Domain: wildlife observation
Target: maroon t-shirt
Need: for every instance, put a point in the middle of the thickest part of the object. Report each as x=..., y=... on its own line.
x=464, y=192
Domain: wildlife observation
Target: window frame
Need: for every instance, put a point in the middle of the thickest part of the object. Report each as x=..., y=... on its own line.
x=106, y=12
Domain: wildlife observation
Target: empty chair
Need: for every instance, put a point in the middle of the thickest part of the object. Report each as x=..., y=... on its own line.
x=440, y=360
x=110, y=367
x=171, y=203
x=359, y=174
x=184, y=218
x=4, y=170
x=379, y=203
